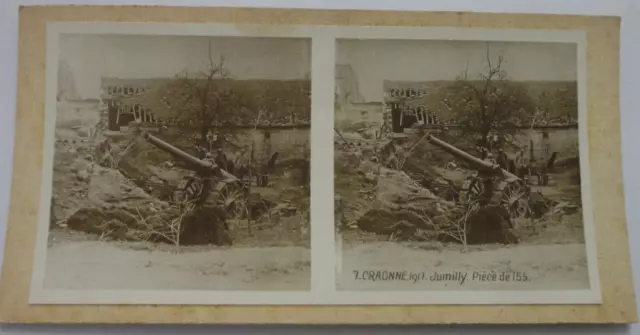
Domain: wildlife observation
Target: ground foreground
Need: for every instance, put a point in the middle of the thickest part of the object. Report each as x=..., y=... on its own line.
x=75, y=263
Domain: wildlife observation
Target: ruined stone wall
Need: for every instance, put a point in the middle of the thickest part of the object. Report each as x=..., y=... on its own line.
x=564, y=141
x=290, y=143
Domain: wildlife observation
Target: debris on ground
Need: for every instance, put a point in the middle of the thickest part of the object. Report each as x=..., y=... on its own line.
x=421, y=195
x=118, y=187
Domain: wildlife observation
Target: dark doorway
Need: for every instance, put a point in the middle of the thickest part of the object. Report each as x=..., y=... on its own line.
x=408, y=120
x=113, y=118
x=126, y=118
x=396, y=127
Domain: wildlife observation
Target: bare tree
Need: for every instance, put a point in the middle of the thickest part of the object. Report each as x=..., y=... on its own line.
x=206, y=99
x=490, y=103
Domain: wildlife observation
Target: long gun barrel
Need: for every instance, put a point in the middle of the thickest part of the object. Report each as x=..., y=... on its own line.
x=474, y=161
x=186, y=157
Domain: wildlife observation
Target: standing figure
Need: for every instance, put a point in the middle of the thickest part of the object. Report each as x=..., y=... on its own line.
x=266, y=170
x=221, y=159
x=241, y=165
x=503, y=160
x=262, y=176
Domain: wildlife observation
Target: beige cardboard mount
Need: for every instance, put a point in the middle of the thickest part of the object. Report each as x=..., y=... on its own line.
x=612, y=245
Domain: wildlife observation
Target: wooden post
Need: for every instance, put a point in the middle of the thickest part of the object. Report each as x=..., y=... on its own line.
x=546, y=146
x=531, y=153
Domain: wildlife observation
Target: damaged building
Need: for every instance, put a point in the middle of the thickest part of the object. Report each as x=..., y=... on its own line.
x=121, y=114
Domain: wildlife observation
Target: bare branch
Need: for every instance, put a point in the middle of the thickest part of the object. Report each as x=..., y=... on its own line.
x=489, y=57
x=211, y=65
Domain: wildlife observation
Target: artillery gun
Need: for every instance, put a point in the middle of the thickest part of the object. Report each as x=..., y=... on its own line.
x=491, y=184
x=209, y=185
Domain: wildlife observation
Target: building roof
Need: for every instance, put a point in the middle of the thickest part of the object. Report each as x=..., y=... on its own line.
x=281, y=96
x=564, y=94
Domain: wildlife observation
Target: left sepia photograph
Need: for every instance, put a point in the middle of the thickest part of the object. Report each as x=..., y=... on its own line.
x=180, y=163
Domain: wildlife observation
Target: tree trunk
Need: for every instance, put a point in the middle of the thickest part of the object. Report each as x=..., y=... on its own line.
x=203, y=136
x=485, y=141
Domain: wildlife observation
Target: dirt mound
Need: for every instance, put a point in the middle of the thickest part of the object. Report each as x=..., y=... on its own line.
x=362, y=184
x=71, y=177
x=483, y=226
x=397, y=190
x=102, y=201
x=207, y=226
x=108, y=186
x=117, y=209
x=112, y=224
x=387, y=222
x=490, y=224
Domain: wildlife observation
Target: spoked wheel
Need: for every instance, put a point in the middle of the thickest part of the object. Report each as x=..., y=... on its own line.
x=515, y=198
x=475, y=190
x=188, y=190
x=232, y=198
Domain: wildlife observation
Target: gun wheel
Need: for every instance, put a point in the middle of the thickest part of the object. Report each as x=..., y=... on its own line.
x=189, y=190
x=515, y=199
x=475, y=190
x=233, y=200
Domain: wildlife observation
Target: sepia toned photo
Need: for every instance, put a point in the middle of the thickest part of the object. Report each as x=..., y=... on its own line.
x=220, y=165
x=180, y=163
x=181, y=166
x=457, y=166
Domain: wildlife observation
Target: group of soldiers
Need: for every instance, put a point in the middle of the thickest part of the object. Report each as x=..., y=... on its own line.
x=520, y=165
x=241, y=167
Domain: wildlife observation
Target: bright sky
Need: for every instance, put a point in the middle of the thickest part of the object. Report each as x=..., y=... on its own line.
x=377, y=60
x=127, y=56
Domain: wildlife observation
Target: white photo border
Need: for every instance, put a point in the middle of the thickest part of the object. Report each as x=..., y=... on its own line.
x=323, y=263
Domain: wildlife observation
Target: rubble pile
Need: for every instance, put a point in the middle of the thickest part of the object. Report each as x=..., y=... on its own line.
x=121, y=188
x=107, y=204
x=420, y=199
x=94, y=192
x=383, y=200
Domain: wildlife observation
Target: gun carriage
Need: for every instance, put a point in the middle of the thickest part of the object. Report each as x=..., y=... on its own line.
x=209, y=185
x=490, y=184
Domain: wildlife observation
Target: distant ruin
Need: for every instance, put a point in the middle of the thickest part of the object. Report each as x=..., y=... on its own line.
x=66, y=83
x=128, y=100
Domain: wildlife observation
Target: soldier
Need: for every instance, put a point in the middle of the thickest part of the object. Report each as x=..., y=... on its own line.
x=503, y=160
x=263, y=178
x=210, y=138
x=221, y=159
x=482, y=151
x=241, y=164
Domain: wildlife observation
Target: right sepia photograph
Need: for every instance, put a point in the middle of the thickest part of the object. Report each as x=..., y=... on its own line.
x=457, y=166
